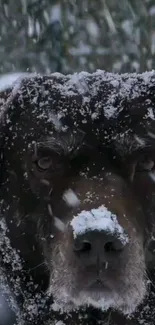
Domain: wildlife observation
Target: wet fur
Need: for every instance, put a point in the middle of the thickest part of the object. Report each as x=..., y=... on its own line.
x=53, y=112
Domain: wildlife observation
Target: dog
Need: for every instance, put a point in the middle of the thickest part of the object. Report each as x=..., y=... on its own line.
x=77, y=193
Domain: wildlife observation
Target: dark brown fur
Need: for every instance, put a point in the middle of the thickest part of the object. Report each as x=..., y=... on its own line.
x=97, y=128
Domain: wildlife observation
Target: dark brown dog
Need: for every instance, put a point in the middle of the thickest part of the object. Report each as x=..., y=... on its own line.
x=77, y=192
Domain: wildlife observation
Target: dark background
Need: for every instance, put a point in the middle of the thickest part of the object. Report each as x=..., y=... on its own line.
x=73, y=35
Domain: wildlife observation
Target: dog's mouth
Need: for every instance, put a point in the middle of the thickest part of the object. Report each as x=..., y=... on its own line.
x=98, y=285
x=101, y=294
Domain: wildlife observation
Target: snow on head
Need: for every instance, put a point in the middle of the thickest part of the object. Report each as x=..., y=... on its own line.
x=98, y=219
x=9, y=79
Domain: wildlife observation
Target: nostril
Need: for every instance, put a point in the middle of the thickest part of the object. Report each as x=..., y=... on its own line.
x=112, y=247
x=109, y=247
x=82, y=246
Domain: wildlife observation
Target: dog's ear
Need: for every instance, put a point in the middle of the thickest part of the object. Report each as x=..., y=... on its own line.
x=3, y=127
x=7, y=98
x=6, y=102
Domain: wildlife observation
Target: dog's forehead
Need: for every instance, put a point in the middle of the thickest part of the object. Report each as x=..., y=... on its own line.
x=91, y=102
x=40, y=110
x=42, y=125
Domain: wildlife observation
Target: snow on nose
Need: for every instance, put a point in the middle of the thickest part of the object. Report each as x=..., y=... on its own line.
x=100, y=219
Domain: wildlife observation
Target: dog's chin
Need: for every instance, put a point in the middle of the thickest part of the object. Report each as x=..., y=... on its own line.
x=102, y=299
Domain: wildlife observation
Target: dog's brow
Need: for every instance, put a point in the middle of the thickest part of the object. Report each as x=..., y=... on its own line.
x=127, y=143
x=63, y=143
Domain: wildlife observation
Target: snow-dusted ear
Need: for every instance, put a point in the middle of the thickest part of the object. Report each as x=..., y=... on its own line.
x=3, y=135
x=8, y=80
x=7, y=96
x=9, y=88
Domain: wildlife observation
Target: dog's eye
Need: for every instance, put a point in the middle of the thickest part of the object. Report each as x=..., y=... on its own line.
x=145, y=164
x=44, y=163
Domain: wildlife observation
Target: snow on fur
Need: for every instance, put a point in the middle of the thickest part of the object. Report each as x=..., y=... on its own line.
x=124, y=86
x=98, y=219
x=121, y=86
x=8, y=80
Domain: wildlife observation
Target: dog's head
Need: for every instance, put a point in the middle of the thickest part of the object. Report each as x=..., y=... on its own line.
x=91, y=208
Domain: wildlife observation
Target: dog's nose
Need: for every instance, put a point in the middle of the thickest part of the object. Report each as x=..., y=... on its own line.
x=92, y=244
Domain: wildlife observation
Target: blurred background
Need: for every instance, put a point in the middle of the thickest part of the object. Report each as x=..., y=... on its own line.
x=73, y=35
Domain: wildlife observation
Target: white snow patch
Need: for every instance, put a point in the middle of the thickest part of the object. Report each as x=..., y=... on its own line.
x=140, y=141
x=81, y=49
x=60, y=323
x=55, y=120
x=127, y=26
x=92, y=28
x=150, y=113
x=98, y=219
x=59, y=224
x=151, y=135
x=152, y=11
x=152, y=176
x=10, y=255
x=30, y=28
x=71, y=198
x=152, y=42
x=115, y=83
x=8, y=80
x=55, y=14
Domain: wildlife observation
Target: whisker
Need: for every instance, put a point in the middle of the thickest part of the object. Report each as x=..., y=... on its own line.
x=152, y=175
x=106, y=265
x=50, y=210
x=12, y=172
x=35, y=148
x=35, y=267
x=50, y=191
x=149, y=278
x=45, y=182
x=151, y=135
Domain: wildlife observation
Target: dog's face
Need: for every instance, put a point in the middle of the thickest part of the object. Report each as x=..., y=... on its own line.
x=88, y=205
x=90, y=212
